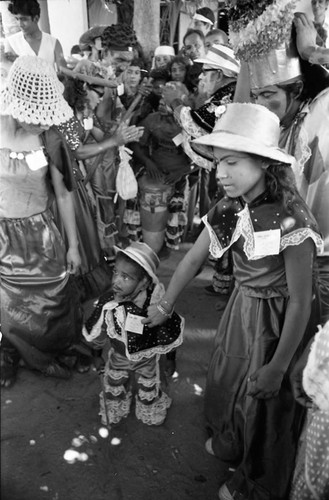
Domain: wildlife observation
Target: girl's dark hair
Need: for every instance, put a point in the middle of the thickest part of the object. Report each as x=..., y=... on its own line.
x=160, y=74
x=280, y=183
x=75, y=93
x=24, y=7
x=141, y=273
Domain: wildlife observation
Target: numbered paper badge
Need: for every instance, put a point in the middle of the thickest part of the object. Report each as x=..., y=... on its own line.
x=267, y=242
x=36, y=160
x=134, y=323
x=88, y=123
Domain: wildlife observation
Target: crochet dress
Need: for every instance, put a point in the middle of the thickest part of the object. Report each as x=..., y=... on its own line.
x=39, y=314
x=257, y=438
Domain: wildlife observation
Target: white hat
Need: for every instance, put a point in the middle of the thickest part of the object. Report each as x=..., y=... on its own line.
x=34, y=94
x=144, y=256
x=203, y=19
x=164, y=50
x=221, y=57
x=247, y=128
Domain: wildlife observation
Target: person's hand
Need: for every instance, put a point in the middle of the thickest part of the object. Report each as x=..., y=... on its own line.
x=174, y=91
x=73, y=260
x=154, y=317
x=265, y=383
x=125, y=134
x=152, y=171
x=145, y=88
x=306, y=34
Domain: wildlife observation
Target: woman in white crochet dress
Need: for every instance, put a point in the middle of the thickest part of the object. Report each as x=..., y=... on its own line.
x=39, y=312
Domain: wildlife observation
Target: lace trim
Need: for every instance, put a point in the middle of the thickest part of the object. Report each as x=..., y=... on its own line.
x=147, y=382
x=302, y=154
x=115, y=390
x=192, y=131
x=149, y=353
x=299, y=236
x=116, y=410
x=147, y=395
x=155, y=413
x=245, y=228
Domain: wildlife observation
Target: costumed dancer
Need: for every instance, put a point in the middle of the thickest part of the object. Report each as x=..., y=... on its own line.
x=273, y=237
x=134, y=347
x=40, y=313
x=298, y=93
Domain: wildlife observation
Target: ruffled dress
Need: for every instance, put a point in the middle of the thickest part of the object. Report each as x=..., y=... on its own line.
x=39, y=310
x=256, y=438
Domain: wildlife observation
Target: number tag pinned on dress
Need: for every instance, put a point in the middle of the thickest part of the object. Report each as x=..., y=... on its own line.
x=267, y=242
x=178, y=139
x=134, y=323
x=88, y=123
x=36, y=160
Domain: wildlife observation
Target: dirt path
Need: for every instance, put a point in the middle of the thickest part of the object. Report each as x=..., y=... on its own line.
x=41, y=417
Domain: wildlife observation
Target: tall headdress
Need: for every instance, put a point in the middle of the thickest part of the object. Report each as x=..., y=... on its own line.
x=260, y=35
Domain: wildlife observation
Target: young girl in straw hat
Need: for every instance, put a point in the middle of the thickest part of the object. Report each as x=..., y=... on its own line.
x=133, y=348
x=273, y=238
x=39, y=314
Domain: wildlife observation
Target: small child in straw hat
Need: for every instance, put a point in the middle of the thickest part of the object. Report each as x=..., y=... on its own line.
x=134, y=348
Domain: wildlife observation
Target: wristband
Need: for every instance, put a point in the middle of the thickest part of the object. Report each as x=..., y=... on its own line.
x=163, y=311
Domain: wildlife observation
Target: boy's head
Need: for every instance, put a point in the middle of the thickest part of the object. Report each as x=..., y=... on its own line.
x=134, y=270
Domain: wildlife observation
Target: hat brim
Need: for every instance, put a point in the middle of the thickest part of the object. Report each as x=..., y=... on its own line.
x=224, y=140
x=90, y=35
x=135, y=257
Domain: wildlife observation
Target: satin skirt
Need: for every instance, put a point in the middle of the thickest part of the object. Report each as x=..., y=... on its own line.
x=40, y=314
x=256, y=437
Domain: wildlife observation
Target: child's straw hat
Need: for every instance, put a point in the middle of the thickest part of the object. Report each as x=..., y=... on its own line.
x=144, y=256
x=247, y=128
x=34, y=94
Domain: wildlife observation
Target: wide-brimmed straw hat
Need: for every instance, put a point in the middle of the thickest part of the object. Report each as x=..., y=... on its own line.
x=144, y=256
x=33, y=93
x=247, y=128
x=221, y=57
x=90, y=35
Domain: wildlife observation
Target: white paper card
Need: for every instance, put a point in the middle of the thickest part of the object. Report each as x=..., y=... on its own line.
x=134, y=323
x=120, y=89
x=88, y=123
x=36, y=160
x=267, y=242
x=178, y=139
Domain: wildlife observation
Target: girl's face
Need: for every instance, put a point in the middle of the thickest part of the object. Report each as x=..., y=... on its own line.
x=273, y=98
x=97, y=42
x=125, y=279
x=161, y=61
x=178, y=72
x=33, y=129
x=240, y=174
x=133, y=76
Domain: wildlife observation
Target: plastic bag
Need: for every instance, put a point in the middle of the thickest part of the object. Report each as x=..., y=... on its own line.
x=126, y=183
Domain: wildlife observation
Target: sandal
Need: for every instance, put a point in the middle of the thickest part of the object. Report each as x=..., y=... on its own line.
x=57, y=370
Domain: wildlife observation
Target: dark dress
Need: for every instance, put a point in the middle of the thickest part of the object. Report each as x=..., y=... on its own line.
x=95, y=276
x=256, y=437
x=39, y=310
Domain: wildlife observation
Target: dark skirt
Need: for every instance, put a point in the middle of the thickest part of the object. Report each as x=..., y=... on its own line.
x=40, y=314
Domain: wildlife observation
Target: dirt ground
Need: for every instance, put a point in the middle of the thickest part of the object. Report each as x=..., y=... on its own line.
x=41, y=416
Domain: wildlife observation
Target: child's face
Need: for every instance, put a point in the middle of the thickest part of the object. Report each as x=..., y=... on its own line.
x=133, y=75
x=161, y=61
x=240, y=174
x=178, y=72
x=126, y=279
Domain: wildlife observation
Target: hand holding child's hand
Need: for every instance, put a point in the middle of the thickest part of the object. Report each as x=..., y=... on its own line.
x=265, y=383
x=154, y=316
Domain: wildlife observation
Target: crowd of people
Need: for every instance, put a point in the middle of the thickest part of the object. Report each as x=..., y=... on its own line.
x=106, y=157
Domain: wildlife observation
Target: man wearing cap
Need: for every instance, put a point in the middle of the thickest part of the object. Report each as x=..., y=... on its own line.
x=204, y=20
x=299, y=96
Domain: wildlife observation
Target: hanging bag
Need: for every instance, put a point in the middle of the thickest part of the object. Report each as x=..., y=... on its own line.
x=126, y=183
